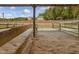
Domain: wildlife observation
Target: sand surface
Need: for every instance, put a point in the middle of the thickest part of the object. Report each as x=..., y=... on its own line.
x=48, y=42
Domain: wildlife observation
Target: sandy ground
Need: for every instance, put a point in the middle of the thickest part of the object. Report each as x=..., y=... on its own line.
x=51, y=42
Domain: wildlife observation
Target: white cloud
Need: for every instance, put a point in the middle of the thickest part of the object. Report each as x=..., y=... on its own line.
x=26, y=11
x=0, y=15
x=8, y=15
x=1, y=7
x=28, y=15
x=42, y=8
x=13, y=7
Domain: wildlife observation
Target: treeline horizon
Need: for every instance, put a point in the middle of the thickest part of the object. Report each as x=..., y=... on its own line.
x=61, y=13
x=14, y=19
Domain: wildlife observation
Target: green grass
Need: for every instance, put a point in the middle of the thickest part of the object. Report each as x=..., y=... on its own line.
x=3, y=26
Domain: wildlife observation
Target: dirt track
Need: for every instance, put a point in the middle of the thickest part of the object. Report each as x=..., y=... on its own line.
x=6, y=36
x=55, y=42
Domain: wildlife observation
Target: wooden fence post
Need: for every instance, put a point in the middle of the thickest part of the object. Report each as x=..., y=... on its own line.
x=78, y=29
x=59, y=26
x=52, y=25
x=7, y=25
x=34, y=24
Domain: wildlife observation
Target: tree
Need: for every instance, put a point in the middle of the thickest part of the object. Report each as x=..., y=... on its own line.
x=58, y=12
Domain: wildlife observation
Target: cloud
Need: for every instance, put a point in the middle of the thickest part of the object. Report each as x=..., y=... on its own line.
x=8, y=15
x=0, y=15
x=26, y=11
x=13, y=7
x=40, y=10
x=22, y=15
x=1, y=7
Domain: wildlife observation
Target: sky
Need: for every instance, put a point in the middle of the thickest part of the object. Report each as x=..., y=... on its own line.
x=20, y=11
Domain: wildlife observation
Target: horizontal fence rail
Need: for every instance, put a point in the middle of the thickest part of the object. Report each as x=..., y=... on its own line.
x=71, y=28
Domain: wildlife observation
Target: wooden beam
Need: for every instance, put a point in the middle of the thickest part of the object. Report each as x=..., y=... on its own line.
x=39, y=4
x=34, y=25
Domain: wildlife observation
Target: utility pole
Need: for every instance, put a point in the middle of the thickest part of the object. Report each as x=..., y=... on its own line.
x=3, y=15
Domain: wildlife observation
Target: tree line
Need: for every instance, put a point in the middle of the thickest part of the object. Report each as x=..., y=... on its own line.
x=14, y=19
x=60, y=13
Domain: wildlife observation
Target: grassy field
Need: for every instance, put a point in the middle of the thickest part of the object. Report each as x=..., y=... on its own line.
x=3, y=26
x=10, y=34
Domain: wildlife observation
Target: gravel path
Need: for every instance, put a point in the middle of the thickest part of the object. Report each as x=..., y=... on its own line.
x=48, y=42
